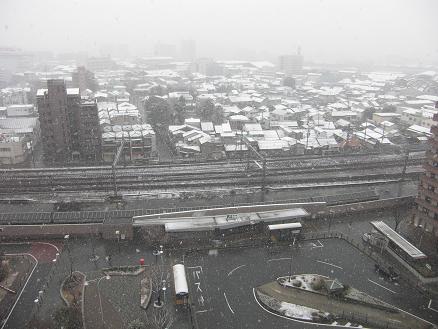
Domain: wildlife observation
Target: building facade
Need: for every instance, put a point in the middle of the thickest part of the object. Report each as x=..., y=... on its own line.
x=13, y=149
x=426, y=213
x=84, y=79
x=69, y=126
x=54, y=121
x=291, y=64
x=89, y=132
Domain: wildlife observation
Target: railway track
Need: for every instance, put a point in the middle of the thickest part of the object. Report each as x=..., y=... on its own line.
x=162, y=169
x=244, y=173
x=190, y=180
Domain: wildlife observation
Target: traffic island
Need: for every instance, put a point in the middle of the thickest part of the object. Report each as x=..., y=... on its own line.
x=322, y=300
x=71, y=289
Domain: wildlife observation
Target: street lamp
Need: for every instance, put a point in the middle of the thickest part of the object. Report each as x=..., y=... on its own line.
x=162, y=283
x=157, y=253
x=331, y=215
x=164, y=289
x=421, y=236
x=66, y=239
x=290, y=264
x=118, y=239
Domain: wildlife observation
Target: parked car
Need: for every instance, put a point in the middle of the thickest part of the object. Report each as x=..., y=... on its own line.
x=387, y=272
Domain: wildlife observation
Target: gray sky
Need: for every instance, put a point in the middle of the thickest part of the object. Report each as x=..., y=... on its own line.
x=326, y=30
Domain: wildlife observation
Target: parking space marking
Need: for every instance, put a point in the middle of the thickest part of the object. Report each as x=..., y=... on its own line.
x=382, y=286
x=199, y=289
x=329, y=264
x=226, y=299
x=202, y=311
x=316, y=245
x=234, y=269
x=277, y=259
x=429, y=306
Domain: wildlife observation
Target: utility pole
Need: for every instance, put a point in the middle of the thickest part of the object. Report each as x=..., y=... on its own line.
x=114, y=166
x=262, y=166
x=308, y=131
x=405, y=164
x=402, y=179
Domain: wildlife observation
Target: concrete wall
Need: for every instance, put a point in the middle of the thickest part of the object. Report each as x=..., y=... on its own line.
x=365, y=206
x=106, y=231
x=313, y=207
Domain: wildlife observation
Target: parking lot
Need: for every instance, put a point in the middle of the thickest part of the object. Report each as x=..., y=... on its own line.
x=221, y=282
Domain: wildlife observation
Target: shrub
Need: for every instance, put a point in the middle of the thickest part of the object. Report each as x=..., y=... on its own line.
x=4, y=270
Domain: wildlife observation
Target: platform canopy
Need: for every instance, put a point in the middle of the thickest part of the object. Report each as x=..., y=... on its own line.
x=285, y=226
x=398, y=240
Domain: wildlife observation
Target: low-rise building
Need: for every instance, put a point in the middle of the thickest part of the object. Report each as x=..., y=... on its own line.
x=21, y=110
x=13, y=149
x=421, y=117
x=139, y=142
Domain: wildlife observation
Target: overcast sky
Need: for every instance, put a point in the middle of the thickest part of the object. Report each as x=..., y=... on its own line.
x=326, y=30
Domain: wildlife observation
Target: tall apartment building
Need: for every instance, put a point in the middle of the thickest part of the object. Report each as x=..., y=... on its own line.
x=67, y=124
x=84, y=79
x=426, y=213
x=188, y=50
x=291, y=64
x=54, y=121
x=89, y=132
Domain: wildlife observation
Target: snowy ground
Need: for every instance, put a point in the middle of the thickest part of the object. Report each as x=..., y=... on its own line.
x=304, y=279
x=297, y=311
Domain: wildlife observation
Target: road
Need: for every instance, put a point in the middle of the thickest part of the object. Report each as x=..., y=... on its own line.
x=221, y=283
x=44, y=253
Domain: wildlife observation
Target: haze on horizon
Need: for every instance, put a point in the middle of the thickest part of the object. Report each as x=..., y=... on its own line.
x=336, y=31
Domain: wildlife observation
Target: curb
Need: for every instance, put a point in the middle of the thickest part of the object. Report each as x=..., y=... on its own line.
x=63, y=282
x=145, y=304
x=83, y=302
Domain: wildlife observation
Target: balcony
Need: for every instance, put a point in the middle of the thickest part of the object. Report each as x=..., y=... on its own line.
x=432, y=155
x=422, y=216
x=433, y=142
x=430, y=194
x=429, y=181
x=432, y=209
x=430, y=168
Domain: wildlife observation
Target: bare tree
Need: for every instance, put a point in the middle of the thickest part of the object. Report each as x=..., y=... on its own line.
x=136, y=324
x=159, y=276
x=160, y=318
x=399, y=214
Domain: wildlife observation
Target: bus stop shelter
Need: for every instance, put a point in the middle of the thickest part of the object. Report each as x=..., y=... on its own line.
x=285, y=231
x=399, y=244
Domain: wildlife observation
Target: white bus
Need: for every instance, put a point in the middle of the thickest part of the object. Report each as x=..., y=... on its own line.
x=181, y=287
